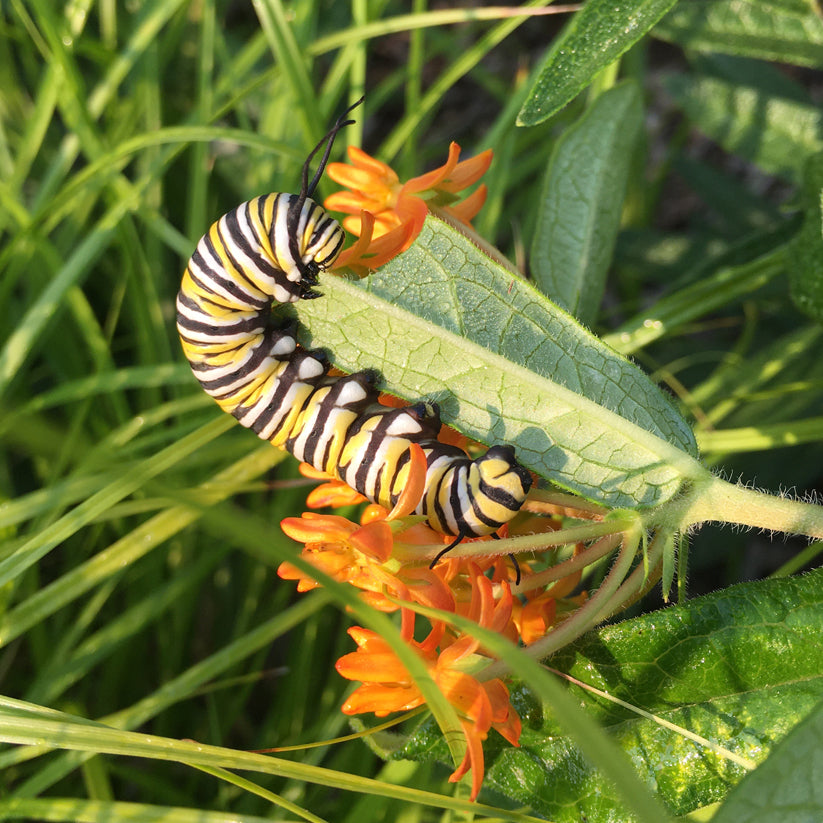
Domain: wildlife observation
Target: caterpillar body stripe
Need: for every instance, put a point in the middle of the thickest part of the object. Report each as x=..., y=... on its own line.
x=269, y=250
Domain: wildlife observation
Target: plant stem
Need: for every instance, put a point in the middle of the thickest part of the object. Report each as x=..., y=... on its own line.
x=638, y=582
x=538, y=542
x=588, y=615
x=713, y=499
x=576, y=563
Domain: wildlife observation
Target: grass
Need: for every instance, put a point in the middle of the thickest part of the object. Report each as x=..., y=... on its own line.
x=140, y=609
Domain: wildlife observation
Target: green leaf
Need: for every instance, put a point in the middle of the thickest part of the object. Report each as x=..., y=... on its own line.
x=776, y=133
x=752, y=390
x=786, y=786
x=582, y=200
x=596, y=36
x=806, y=261
x=740, y=667
x=790, y=32
x=444, y=322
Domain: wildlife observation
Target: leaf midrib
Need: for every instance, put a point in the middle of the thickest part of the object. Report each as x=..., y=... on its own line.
x=669, y=453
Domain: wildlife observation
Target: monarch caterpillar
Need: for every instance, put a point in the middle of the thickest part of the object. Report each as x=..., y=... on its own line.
x=269, y=250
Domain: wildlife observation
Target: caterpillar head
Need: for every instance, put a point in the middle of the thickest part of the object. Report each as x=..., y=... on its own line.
x=502, y=486
x=315, y=241
x=323, y=238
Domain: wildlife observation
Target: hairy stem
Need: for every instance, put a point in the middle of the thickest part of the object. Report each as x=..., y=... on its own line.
x=639, y=582
x=587, y=557
x=588, y=615
x=717, y=500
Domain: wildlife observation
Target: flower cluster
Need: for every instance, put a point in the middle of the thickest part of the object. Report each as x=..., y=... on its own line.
x=387, y=554
x=386, y=215
x=481, y=706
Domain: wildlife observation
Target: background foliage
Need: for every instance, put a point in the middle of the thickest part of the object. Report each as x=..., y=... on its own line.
x=661, y=170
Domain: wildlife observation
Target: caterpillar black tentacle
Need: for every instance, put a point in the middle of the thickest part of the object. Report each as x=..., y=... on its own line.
x=270, y=250
x=443, y=552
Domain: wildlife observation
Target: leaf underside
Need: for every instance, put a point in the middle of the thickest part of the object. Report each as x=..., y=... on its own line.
x=445, y=323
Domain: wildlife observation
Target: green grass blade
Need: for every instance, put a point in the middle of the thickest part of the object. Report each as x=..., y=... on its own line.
x=25, y=724
x=131, y=546
x=41, y=544
x=73, y=810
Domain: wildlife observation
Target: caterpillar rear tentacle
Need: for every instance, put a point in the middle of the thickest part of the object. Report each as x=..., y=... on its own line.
x=270, y=250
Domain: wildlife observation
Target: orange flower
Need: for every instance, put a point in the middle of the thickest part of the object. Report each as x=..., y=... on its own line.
x=361, y=556
x=387, y=215
x=534, y=618
x=388, y=687
x=359, y=553
x=338, y=547
x=332, y=494
x=371, y=250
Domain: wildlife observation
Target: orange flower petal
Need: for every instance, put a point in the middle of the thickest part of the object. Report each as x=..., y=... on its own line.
x=428, y=648
x=511, y=729
x=361, y=245
x=382, y=700
x=415, y=484
x=473, y=760
x=391, y=243
x=374, y=540
x=421, y=534
x=317, y=528
x=307, y=470
x=379, y=251
x=371, y=513
x=393, y=402
x=566, y=585
x=364, y=173
x=536, y=618
x=498, y=696
x=502, y=609
x=467, y=695
x=467, y=172
x=453, y=437
x=378, y=168
x=333, y=495
x=379, y=601
x=412, y=210
x=331, y=562
x=375, y=188
x=506, y=720
x=286, y=571
x=373, y=667
x=427, y=588
x=359, y=180
x=353, y=203
x=430, y=180
x=467, y=209
x=366, y=638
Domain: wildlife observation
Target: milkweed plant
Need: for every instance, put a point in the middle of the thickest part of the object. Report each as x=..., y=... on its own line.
x=621, y=283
